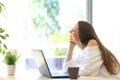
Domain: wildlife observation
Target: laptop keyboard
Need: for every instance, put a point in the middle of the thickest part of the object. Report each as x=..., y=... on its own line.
x=59, y=73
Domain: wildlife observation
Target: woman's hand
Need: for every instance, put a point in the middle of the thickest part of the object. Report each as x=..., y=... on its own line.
x=72, y=42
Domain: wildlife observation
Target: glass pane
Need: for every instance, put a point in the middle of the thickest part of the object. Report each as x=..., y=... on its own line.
x=50, y=23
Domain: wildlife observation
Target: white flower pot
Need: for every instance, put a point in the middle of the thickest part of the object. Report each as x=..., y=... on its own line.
x=11, y=69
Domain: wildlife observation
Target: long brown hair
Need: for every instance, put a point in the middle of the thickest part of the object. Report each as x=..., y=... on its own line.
x=86, y=33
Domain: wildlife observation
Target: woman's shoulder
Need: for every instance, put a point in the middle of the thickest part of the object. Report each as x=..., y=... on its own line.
x=92, y=46
x=92, y=42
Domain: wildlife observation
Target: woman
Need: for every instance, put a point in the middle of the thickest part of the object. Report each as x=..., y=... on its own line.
x=96, y=60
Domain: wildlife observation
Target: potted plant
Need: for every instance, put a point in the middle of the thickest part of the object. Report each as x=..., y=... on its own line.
x=10, y=59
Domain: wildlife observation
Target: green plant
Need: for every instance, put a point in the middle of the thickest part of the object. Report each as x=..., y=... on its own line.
x=11, y=57
x=1, y=7
x=3, y=36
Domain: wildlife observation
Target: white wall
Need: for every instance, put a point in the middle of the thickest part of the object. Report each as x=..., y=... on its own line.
x=106, y=20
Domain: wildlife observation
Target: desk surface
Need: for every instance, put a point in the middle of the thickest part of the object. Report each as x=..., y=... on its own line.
x=45, y=78
x=33, y=74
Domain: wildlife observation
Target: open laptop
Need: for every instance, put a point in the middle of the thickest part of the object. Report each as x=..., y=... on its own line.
x=43, y=66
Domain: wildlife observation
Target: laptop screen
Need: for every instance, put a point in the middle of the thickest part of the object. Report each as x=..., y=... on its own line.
x=41, y=62
x=43, y=66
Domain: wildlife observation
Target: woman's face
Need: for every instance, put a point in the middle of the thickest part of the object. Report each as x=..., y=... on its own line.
x=74, y=34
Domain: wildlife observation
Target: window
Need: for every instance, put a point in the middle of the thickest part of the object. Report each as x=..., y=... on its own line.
x=51, y=22
x=42, y=24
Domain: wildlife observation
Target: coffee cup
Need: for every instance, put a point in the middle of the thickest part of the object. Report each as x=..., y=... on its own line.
x=73, y=72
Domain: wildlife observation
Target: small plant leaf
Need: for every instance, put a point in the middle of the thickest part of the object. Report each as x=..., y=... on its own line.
x=0, y=42
x=5, y=46
x=1, y=30
x=1, y=7
x=7, y=35
x=3, y=52
x=2, y=36
x=0, y=50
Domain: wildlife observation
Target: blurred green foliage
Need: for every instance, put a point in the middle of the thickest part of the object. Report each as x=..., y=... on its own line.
x=44, y=14
x=60, y=51
x=58, y=37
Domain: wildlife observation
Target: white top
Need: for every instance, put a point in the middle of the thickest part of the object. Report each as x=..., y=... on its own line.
x=90, y=63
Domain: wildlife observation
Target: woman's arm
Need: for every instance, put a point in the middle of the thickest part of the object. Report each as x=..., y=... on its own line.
x=70, y=51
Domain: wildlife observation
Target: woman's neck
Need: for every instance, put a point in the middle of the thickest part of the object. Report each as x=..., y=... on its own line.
x=80, y=45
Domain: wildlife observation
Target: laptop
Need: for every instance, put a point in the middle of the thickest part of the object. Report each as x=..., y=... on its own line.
x=43, y=67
